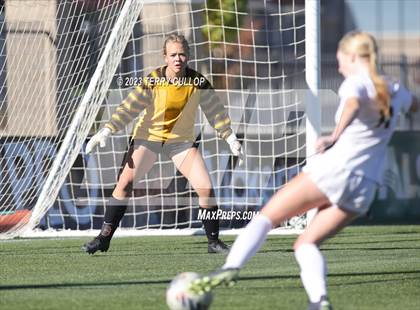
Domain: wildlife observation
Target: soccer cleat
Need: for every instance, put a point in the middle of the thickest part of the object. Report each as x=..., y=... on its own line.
x=217, y=246
x=99, y=243
x=102, y=241
x=323, y=304
x=208, y=282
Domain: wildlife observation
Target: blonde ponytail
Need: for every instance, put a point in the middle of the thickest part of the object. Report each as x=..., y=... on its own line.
x=382, y=93
x=364, y=45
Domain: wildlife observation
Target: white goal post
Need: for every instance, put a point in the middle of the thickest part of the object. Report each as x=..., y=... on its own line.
x=313, y=79
x=86, y=58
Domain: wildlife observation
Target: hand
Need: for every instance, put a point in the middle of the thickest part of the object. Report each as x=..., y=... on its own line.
x=99, y=138
x=324, y=143
x=235, y=147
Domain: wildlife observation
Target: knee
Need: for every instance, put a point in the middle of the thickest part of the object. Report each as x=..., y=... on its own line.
x=302, y=240
x=296, y=245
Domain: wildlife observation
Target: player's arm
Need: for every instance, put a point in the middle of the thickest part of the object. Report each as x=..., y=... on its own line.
x=136, y=101
x=218, y=118
x=349, y=113
x=130, y=108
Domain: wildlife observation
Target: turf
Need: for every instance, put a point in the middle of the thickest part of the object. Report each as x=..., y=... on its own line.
x=369, y=268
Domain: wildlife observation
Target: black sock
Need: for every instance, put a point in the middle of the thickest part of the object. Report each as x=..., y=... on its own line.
x=112, y=218
x=211, y=223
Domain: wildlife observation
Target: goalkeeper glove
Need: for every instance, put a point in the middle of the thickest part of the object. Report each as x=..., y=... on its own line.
x=99, y=138
x=235, y=147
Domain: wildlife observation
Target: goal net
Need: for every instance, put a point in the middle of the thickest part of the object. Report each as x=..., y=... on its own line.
x=67, y=65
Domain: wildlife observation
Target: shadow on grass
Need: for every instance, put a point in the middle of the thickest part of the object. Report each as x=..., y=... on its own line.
x=379, y=241
x=246, y=278
x=329, y=247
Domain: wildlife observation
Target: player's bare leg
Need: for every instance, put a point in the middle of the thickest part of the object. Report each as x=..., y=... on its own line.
x=191, y=164
x=296, y=197
x=326, y=223
x=140, y=162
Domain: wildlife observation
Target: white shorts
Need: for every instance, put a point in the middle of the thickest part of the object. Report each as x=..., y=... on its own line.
x=349, y=191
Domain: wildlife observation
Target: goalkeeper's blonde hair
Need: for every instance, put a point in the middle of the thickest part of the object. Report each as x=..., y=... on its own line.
x=176, y=38
x=363, y=45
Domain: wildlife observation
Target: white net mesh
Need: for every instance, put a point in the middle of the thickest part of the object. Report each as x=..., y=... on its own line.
x=251, y=51
x=56, y=73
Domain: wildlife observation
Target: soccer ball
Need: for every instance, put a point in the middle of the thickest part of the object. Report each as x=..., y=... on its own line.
x=179, y=297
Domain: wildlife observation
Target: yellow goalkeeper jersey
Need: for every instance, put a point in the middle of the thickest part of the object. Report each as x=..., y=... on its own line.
x=170, y=108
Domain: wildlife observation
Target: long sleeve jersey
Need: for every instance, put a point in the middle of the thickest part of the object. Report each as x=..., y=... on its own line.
x=170, y=108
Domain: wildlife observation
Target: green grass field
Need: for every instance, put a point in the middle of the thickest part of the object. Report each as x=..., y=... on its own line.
x=369, y=268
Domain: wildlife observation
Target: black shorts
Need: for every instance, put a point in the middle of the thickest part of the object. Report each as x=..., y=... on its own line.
x=168, y=149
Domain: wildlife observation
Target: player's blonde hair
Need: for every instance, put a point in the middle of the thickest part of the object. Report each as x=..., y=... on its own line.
x=364, y=45
x=176, y=38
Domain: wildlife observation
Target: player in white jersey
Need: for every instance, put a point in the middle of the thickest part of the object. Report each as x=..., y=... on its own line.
x=340, y=181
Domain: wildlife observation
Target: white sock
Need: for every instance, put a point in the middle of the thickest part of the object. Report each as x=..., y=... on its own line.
x=248, y=242
x=313, y=271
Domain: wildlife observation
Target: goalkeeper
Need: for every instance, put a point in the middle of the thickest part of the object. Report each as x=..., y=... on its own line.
x=169, y=97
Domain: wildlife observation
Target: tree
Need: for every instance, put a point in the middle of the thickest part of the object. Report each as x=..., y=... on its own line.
x=224, y=19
